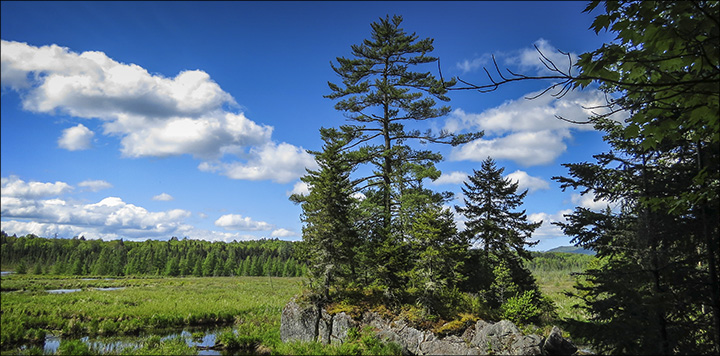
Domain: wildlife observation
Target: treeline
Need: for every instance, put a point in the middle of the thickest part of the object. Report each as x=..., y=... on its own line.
x=558, y=261
x=78, y=256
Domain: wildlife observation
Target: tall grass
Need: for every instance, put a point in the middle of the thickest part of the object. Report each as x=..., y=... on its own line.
x=142, y=305
x=556, y=278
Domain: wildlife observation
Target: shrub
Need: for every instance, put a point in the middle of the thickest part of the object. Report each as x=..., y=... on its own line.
x=521, y=308
x=198, y=335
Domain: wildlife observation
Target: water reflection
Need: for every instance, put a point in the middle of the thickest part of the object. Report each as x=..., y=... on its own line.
x=115, y=344
x=61, y=291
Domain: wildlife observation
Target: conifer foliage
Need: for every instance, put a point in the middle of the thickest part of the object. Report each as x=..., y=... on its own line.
x=657, y=290
x=490, y=201
x=329, y=236
x=398, y=237
x=174, y=257
x=501, y=232
x=380, y=94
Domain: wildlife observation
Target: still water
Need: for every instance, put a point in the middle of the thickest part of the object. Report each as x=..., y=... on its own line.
x=116, y=344
x=61, y=291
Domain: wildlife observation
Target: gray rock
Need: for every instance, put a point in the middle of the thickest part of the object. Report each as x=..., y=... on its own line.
x=310, y=323
x=555, y=344
x=411, y=338
x=451, y=345
x=341, y=324
x=324, y=327
x=527, y=345
x=298, y=323
x=468, y=335
x=495, y=338
x=374, y=319
x=398, y=332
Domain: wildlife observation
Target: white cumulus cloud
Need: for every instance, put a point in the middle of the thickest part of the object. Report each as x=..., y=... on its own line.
x=526, y=181
x=590, y=201
x=95, y=185
x=530, y=114
x=474, y=64
x=76, y=138
x=283, y=233
x=526, y=59
x=525, y=148
x=526, y=131
x=152, y=115
x=207, y=136
x=450, y=178
x=109, y=218
x=92, y=85
x=242, y=223
x=13, y=186
x=281, y=163
x=163, y=197
x=300, y=188
x=547, y=230
x=529, y=58
x=39, y=208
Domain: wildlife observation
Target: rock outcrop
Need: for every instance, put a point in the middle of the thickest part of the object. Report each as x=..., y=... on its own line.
x=299, y=323
x=310, y=323
x=555, y=344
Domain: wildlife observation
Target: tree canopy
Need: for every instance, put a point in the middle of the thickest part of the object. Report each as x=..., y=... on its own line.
x=658, y=287
x=384, y=230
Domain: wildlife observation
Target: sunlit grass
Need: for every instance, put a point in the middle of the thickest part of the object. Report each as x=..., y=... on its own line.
x=144, y=304
x=554, y=284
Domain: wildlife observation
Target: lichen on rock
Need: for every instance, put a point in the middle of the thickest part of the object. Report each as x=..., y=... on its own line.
x=313, y=323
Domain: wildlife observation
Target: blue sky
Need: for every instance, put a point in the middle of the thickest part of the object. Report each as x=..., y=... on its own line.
x=141, y=120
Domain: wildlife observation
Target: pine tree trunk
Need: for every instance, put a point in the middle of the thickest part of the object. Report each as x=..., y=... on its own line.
x=711, y=247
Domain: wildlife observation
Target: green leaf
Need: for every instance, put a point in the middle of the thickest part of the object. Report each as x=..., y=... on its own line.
x=631, y=131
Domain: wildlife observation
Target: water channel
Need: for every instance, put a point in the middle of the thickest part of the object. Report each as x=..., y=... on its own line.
x=115, y=344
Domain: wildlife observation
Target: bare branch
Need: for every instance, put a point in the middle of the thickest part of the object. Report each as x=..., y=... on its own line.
x=589, y=121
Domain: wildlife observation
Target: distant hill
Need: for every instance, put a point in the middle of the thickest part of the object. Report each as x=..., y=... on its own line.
x=572, y=249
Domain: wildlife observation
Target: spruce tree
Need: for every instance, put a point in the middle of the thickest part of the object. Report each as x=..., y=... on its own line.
x=653, y=292
x=329, y=234
x=438, y=256
x=494, y=225
x=490, y=201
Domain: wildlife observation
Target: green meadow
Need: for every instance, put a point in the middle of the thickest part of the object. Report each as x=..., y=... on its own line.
x=29, y=312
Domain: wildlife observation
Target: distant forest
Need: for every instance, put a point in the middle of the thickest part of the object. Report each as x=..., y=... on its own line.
x=39, y=255
x=78, y=256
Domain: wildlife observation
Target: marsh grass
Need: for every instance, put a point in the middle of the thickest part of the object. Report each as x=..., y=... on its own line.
x=554, y=284
x=359, y=342
x=143, y=305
